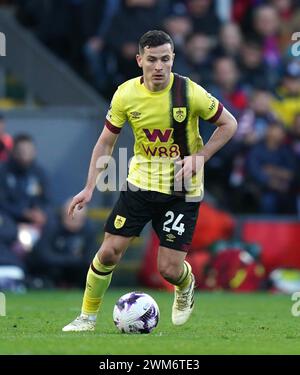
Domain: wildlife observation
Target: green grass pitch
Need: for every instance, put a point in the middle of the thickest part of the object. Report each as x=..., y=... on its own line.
x=222, y=323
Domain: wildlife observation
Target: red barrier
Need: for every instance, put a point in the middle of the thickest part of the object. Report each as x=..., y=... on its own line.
x=280, y=242
x=212, y=225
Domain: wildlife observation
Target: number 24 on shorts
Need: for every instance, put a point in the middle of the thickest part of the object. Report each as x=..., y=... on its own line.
x=175, y=221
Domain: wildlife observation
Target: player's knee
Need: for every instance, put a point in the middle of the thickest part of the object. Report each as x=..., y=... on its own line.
x=112, y=248
x=169, y=271
x=109, y=255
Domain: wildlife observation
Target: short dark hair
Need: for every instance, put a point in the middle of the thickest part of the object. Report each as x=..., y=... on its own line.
x=154, y=38
x=22, y=137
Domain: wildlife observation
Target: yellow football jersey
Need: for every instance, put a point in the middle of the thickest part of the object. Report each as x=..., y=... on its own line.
x=165, y=127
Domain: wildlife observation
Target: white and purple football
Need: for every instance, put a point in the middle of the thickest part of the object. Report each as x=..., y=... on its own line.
x=136, y=312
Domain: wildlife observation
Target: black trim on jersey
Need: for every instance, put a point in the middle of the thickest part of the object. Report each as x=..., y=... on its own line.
x=179, y=99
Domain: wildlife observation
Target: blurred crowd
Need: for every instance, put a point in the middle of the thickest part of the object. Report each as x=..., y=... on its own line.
x=38, y=246
x=242, y=51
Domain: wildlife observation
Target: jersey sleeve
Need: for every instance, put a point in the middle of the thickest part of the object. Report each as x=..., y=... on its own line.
x=205, y=105
x=116, y=114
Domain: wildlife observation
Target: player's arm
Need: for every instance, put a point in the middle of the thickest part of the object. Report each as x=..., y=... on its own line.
x=103, y=147
x=226, y=127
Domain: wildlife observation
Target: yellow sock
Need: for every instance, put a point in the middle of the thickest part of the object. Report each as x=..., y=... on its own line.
x=185, y=277
x=97, y=282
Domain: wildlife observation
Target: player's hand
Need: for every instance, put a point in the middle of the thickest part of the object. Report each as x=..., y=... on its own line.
x=190, y=166
x=79, y=201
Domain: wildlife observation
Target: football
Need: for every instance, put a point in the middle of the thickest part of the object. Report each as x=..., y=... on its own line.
x=136, y=312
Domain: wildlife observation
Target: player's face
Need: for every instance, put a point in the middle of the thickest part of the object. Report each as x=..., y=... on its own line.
x=156, y=63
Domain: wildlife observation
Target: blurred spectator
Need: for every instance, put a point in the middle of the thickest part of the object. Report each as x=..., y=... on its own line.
x=226, y=88
x=226, y=85
x=271, y=165
x=12, y=274
x=254, y=121
x=24, y=191
x=6, y=141
x=97, y=18
x=240, y=9
x=254, y=71
x=294, y=143
x=287, y=103
x=66, y=250
x=253, y=125
x=230, y=41
x=294, y=136
x=8, y=235
x=204, y=17
x=289, y=17
x=266, y=26
x=135, y=18
x=178, y=27
x=196, y=59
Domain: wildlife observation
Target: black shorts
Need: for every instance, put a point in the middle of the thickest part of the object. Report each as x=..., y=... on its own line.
x=173, y=219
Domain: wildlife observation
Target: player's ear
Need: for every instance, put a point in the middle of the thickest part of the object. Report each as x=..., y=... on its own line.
x=139, y=60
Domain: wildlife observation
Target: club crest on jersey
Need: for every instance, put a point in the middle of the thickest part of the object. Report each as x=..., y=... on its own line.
x=119, y=221
x=179, y=114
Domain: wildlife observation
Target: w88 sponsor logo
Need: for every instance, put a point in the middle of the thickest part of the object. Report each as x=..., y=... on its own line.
x=162, y=151
x=163, y=136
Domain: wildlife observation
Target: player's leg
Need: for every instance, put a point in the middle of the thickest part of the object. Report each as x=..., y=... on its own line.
x=98, y=279
x=127, y=219
x=176, y=270
x=174, y=225
x=101, y=270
